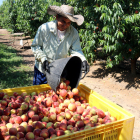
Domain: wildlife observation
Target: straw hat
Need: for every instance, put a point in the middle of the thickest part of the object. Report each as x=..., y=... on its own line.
x=66, y=11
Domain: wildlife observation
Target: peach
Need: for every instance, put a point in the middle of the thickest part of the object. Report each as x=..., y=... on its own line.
x=71, y=122
x=48, y=102
x=45, y=111
x=100, y=120
x=56, y=124
x=70, y=94
x=38, y=125
x=53, y=136
x=52, y=116
x=7, y=111
x=18, y=120
x=76, y=98
x=68, y=115
x=5, y=118
x=79, y=124
x=44, y=133
x=1, y=95
x=92, y=112
x=62, y=85
x=90, y=124
x=9, y=125
x=24, y=124
x=100, y=113
x=58, y=110
x=62, y=106
x=34, y=108
x=13, y=138
x=13, y=131
x=72, y=107
x=13, y=111
x=55, y=97
x=83, y=105
x=75, y=129
x=85, y=113
x=66, y=102
x=112, y=118
x=63, y=93
x=20, y=135
x=3, y=129
x=15, y=94
x=4, y=103
x=45, y=119
x=50, y=125
x=24, y=118
x=68, y=87
x=60, y=132
x=29, y=128
x=86, y=120
x=35, y=118
x=75, y=91
x=51, y=131
x=64, y=121
x=77, y=117
x=52, y=110
x=72, y=100
x=30, y=113
x=94, y=119
x=107, y=113
x=29, y=136
x=24, y=106
x=69, y=127
x=87, y=127
x=37, y=132
x=80, y=110
x=44, y=124
x=77, y=103
x=60, y=117
x=67, y=132
x=21, y=129
x=30, y=122
x=19, y=112
x=55, y=104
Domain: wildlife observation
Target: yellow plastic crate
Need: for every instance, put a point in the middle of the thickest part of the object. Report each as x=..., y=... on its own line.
x=122, y=129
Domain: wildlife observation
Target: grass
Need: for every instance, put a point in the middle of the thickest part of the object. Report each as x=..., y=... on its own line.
x=13, y=73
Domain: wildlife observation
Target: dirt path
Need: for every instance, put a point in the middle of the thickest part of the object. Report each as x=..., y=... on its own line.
x=116, y=84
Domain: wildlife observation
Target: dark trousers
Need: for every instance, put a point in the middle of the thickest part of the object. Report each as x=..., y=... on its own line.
x=39, y=78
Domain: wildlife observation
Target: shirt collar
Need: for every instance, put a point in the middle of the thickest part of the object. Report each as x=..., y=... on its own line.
x=53, y=28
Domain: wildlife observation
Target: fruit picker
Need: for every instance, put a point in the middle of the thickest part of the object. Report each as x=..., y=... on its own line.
x=55, y=39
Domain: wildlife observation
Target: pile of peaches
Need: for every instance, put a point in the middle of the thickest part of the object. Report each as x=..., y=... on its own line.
x=48, y=114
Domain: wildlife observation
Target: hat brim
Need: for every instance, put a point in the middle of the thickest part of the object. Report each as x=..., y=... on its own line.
x=54, y=10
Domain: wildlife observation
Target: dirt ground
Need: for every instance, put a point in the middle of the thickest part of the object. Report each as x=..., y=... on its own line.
x=117, y=84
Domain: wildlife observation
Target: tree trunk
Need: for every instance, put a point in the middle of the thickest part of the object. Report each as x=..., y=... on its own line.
x=133, y=66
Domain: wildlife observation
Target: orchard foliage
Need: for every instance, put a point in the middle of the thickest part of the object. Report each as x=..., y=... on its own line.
x=121, y=31
x=24, y=15
x=112, y=25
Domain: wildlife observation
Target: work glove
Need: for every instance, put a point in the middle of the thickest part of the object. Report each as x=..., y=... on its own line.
x=85, y=67
x=46, y=66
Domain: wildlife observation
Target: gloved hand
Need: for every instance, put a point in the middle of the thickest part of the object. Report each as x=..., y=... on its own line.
x=45, y=66
x=85, y=67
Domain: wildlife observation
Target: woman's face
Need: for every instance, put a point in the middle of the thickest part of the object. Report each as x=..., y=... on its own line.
x=62, y=23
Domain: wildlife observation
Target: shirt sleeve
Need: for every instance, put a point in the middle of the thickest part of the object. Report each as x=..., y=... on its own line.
x=37, y=46
x=75, y=49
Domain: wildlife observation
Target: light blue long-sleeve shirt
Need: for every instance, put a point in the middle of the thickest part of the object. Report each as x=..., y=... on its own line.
x=46, y=46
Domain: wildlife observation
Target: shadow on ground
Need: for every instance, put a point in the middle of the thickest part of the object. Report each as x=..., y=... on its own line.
x=121, y=72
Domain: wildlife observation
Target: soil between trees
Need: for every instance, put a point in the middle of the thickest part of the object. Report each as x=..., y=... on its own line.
x=117, y=84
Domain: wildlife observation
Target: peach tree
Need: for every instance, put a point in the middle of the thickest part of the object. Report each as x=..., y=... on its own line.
x=121, y=32
x=113, y=26
x=31, y=14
